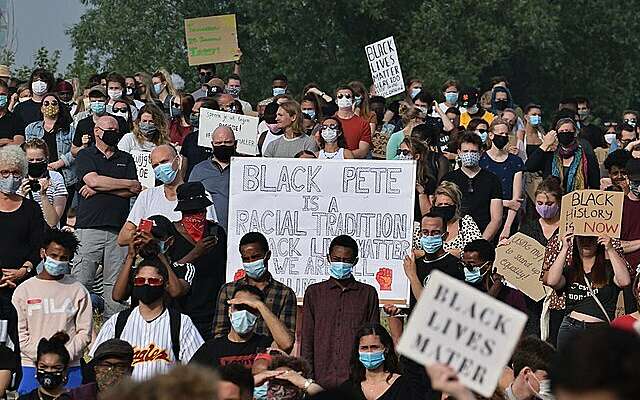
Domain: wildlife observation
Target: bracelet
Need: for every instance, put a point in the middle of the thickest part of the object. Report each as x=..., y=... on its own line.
x=307, y=384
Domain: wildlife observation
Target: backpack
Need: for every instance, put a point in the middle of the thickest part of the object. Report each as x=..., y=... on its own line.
x=175, y=322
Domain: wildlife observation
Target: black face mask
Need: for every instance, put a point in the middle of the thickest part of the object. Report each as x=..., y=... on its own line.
x=148, y=294
x=111, y=138
x=50, y=380
x=130, y=92
x=501, y=104
x=37, y=169
x=205, y=78
x=223, y=153
x=447, y=212
x=500, y=141
x=566, y=138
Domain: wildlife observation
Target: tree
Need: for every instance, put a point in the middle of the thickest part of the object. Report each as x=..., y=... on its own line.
x=42, y=59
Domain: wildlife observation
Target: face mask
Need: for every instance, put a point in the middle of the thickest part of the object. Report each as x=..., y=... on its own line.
x=194, y=120
x=55, y=267
x=50, y=380
x=423, y=109
x=3, y=100
x=329, y=135
x=148, y=129
x=162, y=244
x=545, y=389
x=631, y=122
x=157, y=88
x=500, y=141
x=344, y=102
x=148, y=294
x=223, y=153
x=414, y=92
x=23, y=99
x=547, y=212
x=472, y=275
x=50, y=111
x=372, y=360
x=583, y=113
x=233, y=91
x=472, y=109
x=634, y=187
x=243, y=321
x=121, y=114
x=535, y=120
x=98, y=107
x=340, y=270
x=129, y=91
x=501, y=104
x=39, y=88
x=470, y=159
x=310, y=113
x=114, y=94
x=36, y=169
x=483, y=136
x=401, y=157
x=108, y=378
x=566, y=138
x=447, y=212
x=609, y=137
x=283, y=390
x=175, y=112
x=260, y=392
x=254, y=270
x=358, y=100
x=431, y=244
x=451, y=97
x=110, y=138
x=165, y=173
x=10, y=185
x=277, y=91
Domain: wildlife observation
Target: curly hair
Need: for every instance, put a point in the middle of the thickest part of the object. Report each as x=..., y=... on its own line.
x=158, y=120
x=14, y=157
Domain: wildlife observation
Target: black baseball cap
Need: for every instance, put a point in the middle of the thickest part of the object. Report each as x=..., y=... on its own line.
x=113, y=348
x=162, y=227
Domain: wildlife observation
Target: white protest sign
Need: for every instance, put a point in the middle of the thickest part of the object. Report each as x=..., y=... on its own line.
x=244, y=127
x=146, y=177
x=300, y=205
x=456, y=324
x=385, y=67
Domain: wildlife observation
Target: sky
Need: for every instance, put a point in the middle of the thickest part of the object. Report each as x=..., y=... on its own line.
x=40, y=23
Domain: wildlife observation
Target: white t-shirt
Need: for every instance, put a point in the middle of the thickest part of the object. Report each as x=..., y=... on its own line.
x=338, y=155
x=151, y=342
x=153, y=201
x=129, y=143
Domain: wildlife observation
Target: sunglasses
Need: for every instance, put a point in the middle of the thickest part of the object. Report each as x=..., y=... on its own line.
x=52, y=103
x=206, y=73
x=124, y=110
x=348, y=96
x=177, y=105
x=140, y=281
x=332, y=126
x=403, y=152
x=481, y=130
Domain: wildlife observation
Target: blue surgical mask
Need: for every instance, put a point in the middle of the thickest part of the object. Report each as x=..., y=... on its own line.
x=451, y=97
x=254, y=270
x=157, y=88
x=10, y=184
x=357, y=100
x=372, y=360
x=260, y=392
x=340, y=270
x=483, y=136
x=3, y=100
x=277, y=91
x=535, y=120
x=431, y=244
x=98, y=107
x=472, y=275
x=243, y=321
x=310, y=113
x=55, y=267
x=163, y=246
x=415, y=91
x=165, y=173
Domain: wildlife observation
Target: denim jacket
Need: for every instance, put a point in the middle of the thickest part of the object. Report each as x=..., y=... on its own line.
x=64, y=139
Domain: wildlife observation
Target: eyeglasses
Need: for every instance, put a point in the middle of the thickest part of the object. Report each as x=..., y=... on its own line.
x=206, y=73
x=52, y=103
x=347, y=96
x=403, y=152
x=119, y=367
x=15, y=173
x=140, y=281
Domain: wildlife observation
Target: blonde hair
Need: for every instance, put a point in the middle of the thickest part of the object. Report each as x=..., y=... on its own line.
x=37, y=144
x=452, y=191
x=14, y=156
x=158, y=120
x=166, y=78
x=498, y=121
x=292, y=108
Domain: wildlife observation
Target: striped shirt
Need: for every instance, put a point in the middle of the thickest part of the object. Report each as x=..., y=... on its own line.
x=151, y=341
x=56, y=188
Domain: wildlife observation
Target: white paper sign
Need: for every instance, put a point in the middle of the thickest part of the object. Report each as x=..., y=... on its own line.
x=300, y=205
x=244, y=127
x=146, y=177
x=385, y=67
x=456, y=324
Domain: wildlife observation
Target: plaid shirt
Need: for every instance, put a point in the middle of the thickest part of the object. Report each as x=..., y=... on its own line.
x=280, y=298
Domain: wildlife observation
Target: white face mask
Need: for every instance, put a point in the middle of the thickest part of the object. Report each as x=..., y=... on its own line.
x=39, y=87
x=114, y=94
x=344, y=102
x=609, y=137
x=329, y=135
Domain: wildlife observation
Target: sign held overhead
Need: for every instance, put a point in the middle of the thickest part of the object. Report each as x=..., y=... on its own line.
x=385, y=67
x=211, y=39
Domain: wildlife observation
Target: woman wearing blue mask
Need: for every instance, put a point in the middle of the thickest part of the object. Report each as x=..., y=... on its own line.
x=162, y=89
x=361, y=104
x=149, y=130
x=180, y=123
x=481, y=128
x=375, y=372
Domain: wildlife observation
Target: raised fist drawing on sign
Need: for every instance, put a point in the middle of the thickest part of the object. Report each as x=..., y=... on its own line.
x=384, y=276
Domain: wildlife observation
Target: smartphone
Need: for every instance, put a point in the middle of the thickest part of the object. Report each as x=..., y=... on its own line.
x=145, y=225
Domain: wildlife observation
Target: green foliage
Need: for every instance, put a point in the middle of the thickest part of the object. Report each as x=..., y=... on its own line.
x=42, y=59
x=548, y=50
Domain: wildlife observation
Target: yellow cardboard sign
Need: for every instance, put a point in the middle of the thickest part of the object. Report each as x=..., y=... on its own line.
x=520, y=263
x=592, y=213
x=211, y=39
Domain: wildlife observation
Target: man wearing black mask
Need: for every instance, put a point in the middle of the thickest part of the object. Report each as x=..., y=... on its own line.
x=107, y=179
x=214, y=173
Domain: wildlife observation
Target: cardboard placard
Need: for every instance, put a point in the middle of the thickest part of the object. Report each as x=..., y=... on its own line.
x=245, y=129
x=301, y=205
x=520, y=263
x=531, y=182
x=211, y=39
x=458, y=325
x=592, y=213
x=146, y=176
x=385, y=67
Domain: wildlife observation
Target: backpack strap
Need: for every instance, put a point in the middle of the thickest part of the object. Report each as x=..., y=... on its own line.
x=121, y=321
x=175, y=322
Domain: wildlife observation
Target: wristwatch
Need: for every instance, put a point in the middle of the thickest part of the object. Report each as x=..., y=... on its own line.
x=308, y=383
x=28, y=268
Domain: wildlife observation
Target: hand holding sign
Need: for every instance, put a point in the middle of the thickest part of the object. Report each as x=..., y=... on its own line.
x=592, y=213
x=519, y=261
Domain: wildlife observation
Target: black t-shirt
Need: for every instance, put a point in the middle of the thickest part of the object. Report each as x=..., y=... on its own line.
x=22, y=231
x=103, y=210
x=85, y=127
x=477, y=193
x=579, y=299
x=50, y=139
x=447, y=263
x=10, y=126
x=195, y=154
x=28, y=111
x=221, y=351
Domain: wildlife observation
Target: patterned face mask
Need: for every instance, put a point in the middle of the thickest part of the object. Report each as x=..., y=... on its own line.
x=108, y=377
x=282, y=390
